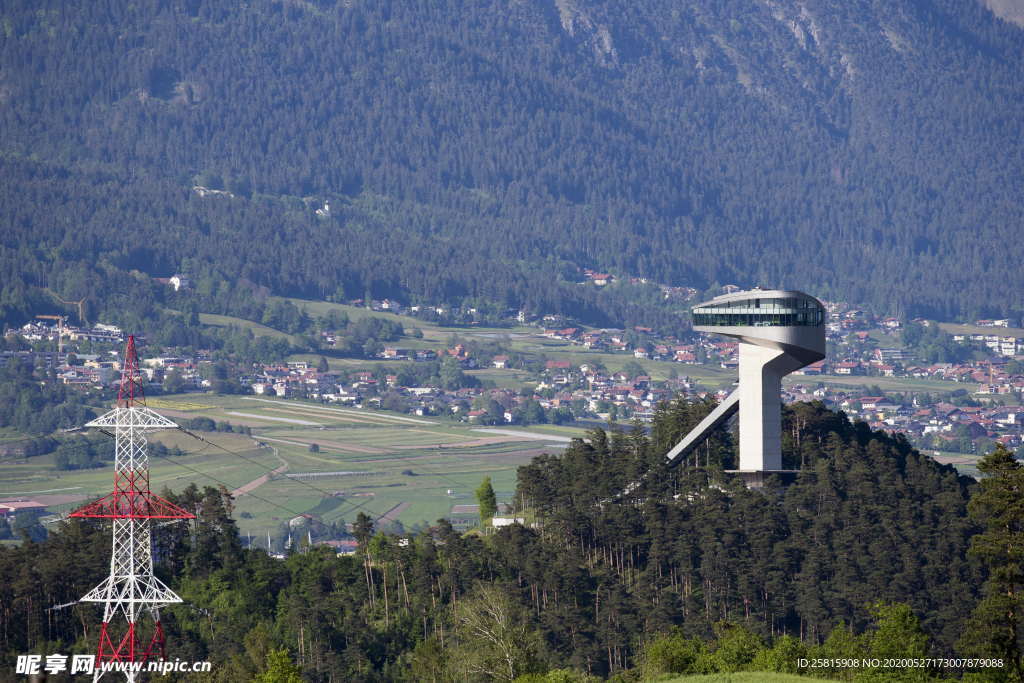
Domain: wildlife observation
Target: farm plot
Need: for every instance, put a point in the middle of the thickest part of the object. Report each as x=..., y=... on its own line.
x=411, y=469
x=63, y=490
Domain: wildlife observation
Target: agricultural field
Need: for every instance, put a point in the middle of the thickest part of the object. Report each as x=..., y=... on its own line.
x=885, y=339
x=390, y=466
x=306, y=458
x=505, y=378
x=9, y=434
x=953, y=328
x=434, y=336
x=258, y=330
x=965, y=463
x=898, y=384
x=62, y=491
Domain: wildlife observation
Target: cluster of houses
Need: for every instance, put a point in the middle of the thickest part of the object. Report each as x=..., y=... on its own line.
x=80, y=369
x=998, y=344
x=592, y=391
x=991, y=375
x=589, y=391
x=99, y=333
x=583, y=389
x=641, y=343
x=940, y=425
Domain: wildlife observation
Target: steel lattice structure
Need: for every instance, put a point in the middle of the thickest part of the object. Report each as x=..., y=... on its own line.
x=131, y=590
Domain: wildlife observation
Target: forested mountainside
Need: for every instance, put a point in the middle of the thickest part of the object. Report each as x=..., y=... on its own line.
x=862, y=150
x=591, y=582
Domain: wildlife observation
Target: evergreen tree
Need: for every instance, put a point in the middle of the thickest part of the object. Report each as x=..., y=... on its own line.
x=362, y=529
x=280, y=669
x=996, y=627
x=487, y=500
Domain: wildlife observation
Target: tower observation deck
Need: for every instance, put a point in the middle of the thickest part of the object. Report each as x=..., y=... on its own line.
x=779, y=331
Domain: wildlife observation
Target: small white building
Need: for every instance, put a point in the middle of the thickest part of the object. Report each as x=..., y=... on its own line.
x=506, y=521
x=180, y=282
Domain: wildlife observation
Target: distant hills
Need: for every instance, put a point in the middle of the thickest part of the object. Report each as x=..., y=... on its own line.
x=862, y=150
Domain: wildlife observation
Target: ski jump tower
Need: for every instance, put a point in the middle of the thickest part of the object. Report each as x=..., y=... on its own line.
x=131, y=589
x=779, y=331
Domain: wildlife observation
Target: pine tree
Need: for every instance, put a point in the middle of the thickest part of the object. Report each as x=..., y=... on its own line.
x=362, y=529
x=995, y=627
x=280, y=669
x=485, y=497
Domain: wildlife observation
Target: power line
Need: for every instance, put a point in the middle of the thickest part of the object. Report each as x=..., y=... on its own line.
x=250, y=493
x=227, y=485
x=306, y=483
x=326, y=493
x=239, y=455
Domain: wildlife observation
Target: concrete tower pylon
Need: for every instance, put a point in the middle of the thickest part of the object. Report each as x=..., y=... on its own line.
x=131, y=591
x=779, y=331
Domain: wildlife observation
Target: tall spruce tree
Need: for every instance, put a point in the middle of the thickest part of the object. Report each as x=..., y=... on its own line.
x=487, y=500
x=995, y=627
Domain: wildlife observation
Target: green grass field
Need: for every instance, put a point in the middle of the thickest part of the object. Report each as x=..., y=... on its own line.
x=62, y=491
x=339, y=364
x=10, y=434
x=885, y=339
x=953, y=328
x=257, y=329
x=371, y=461
x=432, y=334
x=899, y=384
x=965, y=463
x=507, y=379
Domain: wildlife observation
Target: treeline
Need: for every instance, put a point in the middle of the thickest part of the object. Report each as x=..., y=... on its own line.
x=490, y=153
x=797, y=564
x=39, y=408
x=80, y=452
x=931, y=345
x=205, y=424
x=865, y=555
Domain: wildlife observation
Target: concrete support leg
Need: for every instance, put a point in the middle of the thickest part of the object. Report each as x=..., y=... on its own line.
x=760, y=408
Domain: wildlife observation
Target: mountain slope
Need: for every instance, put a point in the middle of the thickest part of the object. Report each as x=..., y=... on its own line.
x=860, y=150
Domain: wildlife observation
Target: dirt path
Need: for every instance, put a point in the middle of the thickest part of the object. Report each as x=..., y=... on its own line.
x=369, y=450
x=50, y=499
x=461, y=444
x=256, y=483
x=393, y=513
x=349, y=447
x=270, y=418
x=954, y=460
x=349, y=411
x=535, y=436
x=322, y=416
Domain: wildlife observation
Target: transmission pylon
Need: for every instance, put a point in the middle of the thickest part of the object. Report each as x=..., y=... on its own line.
x=131, y=591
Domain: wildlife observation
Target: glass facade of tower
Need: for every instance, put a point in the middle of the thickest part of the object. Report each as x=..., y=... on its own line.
x=784, y=312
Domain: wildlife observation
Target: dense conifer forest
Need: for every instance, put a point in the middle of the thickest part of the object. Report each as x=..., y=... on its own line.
x=872, y=552
x=862, y=150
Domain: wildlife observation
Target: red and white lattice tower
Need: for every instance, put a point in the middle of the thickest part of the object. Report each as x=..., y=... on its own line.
x=131, y=590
